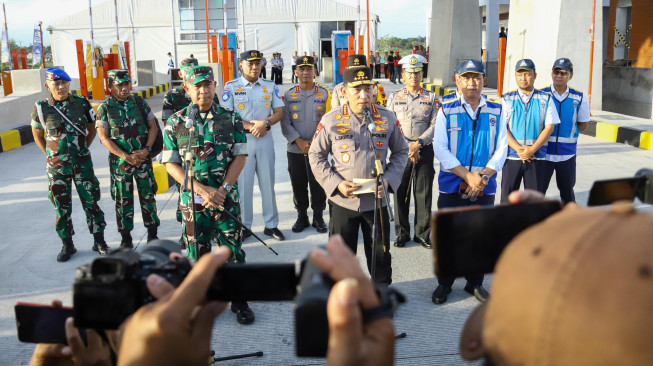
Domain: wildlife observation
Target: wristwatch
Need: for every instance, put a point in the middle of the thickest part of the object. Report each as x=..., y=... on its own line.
x=420, y=142
x=227, y=187
x=267, y=124
x=148, y=148
x=485, y=178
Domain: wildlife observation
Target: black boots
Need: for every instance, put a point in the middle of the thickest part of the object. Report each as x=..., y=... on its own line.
x=126, y=241
x=301, y=223
x=151, y=233
x=318, y=222
x=99, y=245
x=67, y=250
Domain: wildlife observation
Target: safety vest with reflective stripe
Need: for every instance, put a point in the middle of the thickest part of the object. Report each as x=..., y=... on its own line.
x=526, y=121
x=472, y=142
x=565, y=135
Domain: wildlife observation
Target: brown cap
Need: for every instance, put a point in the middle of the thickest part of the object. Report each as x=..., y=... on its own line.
x=576, y=289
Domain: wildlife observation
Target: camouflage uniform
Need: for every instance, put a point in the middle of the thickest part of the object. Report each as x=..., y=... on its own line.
x=128, y=129
x=175, y=100
x=68, y=160
x=221, y=137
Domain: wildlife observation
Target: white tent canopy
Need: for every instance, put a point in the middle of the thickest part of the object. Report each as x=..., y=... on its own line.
x=270, y=26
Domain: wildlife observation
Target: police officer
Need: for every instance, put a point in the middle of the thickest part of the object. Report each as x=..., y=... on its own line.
x=344, y=134
x=339, y=97
x=574, y=112
x=531, y=118
x=258, y=101
x=471, y=144
x=416, y=110
x=277, y=68
x=219, y=155
x=175, y=100
x=305, y=104
x=127, y=128
x=64, y=127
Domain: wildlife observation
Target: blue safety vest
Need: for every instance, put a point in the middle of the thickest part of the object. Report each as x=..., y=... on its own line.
x=565, y=135
x=472, y=141
x=526, y=121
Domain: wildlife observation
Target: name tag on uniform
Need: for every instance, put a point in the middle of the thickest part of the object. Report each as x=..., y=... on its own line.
x=454, y=129
x=241, y=99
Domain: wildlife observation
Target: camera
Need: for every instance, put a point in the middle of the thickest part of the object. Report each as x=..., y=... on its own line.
x=111, y=288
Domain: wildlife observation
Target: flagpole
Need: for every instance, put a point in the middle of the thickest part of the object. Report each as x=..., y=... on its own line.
x=42, y=45
x=7, y=37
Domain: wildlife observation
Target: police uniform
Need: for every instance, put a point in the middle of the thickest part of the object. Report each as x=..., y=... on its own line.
x=346, y=137
x=527, y=117
x=572, y=108
x=218, y=139
x=63, y=125
x=416, y=114
x=474, y=139
x=256, y=101
x=175, y=100
x=126, y=123
x=302, y=111
x=339, y=99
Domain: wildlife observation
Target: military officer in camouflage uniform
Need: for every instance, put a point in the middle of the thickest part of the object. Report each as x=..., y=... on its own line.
x=416, y=110
x=219, y=150
x=63, y=128
x=345, y=134
x=305, y=104
x=339, y=97
x=175, y=100
x=127, y=128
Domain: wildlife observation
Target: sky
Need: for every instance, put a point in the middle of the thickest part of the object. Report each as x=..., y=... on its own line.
x=400, y=18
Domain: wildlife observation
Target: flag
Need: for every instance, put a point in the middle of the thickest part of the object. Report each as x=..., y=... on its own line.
x=37, y=47
x=5, y=46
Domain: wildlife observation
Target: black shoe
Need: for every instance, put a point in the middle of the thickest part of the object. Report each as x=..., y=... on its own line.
x=440, y=294
x=400, y=242
x=244, y=315
x=275, y=233
x=478, y=291
x=99, y=245
x=425, y=243
x=126, y=242
x=182, y=244
x=246, y=234
x=301, y=223
x=67, y=250
x=151, y=233
x=318, y=222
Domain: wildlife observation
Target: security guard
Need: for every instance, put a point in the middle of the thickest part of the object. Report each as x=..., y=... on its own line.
x=127, y=128
x=64, y=127
x=471, y=144
x=258, y=101
x=175, y=100
x=574, y=112
x=219, y=151
x=531, y=118
x=345, y=134
x=416, y=110
x=339, y=97
x=305, y=104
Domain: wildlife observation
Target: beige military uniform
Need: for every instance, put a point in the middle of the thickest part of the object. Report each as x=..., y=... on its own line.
x=302, y=112
x=416, y=113
x=346, y=137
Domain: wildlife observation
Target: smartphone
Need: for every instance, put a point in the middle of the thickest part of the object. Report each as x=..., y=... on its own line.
x=469, y=241
x=604, y=192
x=255, y=282
x=38, y=323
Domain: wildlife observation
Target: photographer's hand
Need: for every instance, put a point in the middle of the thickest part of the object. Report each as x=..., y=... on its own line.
x=176, y=329
x=350, y=341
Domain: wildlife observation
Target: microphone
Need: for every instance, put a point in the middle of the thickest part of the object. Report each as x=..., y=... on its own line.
x=190, y=121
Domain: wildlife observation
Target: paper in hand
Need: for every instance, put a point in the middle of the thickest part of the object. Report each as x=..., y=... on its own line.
x=365, y=185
